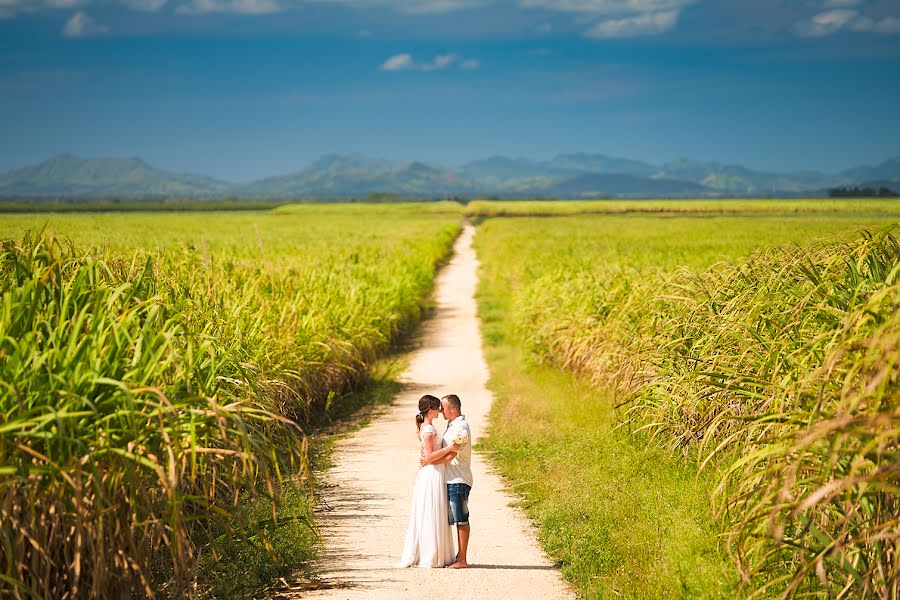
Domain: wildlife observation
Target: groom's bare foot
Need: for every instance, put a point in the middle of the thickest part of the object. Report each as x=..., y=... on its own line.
x=458, y=565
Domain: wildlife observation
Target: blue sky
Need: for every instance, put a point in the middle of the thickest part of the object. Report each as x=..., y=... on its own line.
x=242, y=89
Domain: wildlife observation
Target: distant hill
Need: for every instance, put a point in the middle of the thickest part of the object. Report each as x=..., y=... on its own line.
x=738, y=180
x=67, y=175
x=888, y=171
x=498, y=171
x=337, y=176
x=593, y=185
x=600, y=163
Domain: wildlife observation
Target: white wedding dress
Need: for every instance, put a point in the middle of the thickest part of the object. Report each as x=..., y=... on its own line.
x=429, y=539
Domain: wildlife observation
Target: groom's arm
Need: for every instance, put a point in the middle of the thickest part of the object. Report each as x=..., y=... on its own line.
x=439, y=461
x=450, y=456
x=437, y=456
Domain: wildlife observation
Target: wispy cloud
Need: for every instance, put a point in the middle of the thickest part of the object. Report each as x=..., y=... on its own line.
x=617, y=18
x=826, y=23
x=608, y=7
x=145, y=5
x=437, y=6
x=841, y=3
x=243, y=7
x=440, y=62
x=81, y=25
x=886, y=25
x=644, y=24
x=415, y=6
x=398, y=62
x=11, y=8
x=844, y=19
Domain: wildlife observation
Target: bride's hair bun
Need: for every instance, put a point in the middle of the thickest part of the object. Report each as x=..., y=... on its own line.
x=426, y=403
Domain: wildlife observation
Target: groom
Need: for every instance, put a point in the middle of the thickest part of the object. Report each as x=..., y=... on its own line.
x=459, y=474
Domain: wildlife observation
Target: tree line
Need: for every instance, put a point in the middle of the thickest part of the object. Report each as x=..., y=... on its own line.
x=862, y=192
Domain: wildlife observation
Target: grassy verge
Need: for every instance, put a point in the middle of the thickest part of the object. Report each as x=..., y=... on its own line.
x=621, y=519
x=247, y=571
x=776, y=370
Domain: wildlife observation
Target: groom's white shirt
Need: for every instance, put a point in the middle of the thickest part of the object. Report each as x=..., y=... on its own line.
x=459, y=470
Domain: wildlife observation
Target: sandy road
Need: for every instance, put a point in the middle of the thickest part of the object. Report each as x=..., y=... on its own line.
x=367, y=501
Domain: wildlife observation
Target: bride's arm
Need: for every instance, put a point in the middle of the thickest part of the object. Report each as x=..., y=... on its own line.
x=432, y=455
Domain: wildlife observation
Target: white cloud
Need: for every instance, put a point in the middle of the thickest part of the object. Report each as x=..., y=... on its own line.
x=826, y=23
x=11, y=8
x=833, y=21
x=441, y=62
x=81, y=25
x=243, y=7
x=644, y=24
x=608, y=7
x=414, y=6
x=617, y=18
x=885, y=26
x=436, y=6
x=145, y=5
x=398, y=62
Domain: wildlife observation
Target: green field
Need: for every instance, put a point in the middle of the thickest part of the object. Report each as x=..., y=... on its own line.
x=694, y=399
x=702, y=349
x=159, y=371
x=862, y=206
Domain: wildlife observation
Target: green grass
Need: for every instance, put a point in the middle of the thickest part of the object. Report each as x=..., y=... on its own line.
x=509, y=208
x=81, y=205
x=620, y=520
x=593, y=295
x=248, y=571
x=157, y=373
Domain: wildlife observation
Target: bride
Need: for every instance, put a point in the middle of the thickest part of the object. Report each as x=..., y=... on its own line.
x=429, y=540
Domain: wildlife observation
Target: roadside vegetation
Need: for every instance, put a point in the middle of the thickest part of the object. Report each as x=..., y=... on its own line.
x=534, y=208
x=762, y=375
x=160, y=374
x=694, y=399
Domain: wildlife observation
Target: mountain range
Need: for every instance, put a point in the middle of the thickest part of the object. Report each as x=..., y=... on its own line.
x=336, y=176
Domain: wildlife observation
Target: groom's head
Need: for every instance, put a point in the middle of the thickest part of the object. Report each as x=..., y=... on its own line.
x=452, y=406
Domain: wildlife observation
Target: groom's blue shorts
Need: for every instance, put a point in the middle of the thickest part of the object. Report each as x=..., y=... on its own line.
x=459, y=502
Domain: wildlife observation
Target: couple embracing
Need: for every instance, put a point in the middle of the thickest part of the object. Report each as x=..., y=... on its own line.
x=441, y=492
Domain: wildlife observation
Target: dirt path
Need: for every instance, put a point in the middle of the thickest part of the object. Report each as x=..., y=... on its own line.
x=375, y=468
